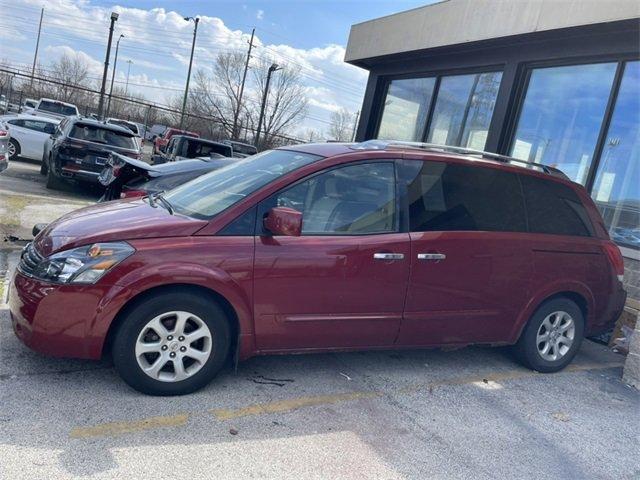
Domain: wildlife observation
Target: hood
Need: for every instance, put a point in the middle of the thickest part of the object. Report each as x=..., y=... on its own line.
x=113, y=221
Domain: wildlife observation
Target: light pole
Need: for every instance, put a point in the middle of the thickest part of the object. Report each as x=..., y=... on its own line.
x=114, y=19
x=126, y=85
x=272, y=68
x=113, y=73
x=196, y=20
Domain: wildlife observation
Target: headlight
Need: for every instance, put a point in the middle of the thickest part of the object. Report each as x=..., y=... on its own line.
x=83, y=264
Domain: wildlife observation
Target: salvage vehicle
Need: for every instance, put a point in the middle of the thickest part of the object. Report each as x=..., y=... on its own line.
x=182, y=147
x=28, y=134
x=324, y=247
x=47, y=107
x=240, y=149
x=125, y=177
x=160, y=142
x=79, y=148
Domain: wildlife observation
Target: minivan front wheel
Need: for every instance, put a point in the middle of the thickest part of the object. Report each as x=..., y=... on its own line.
x=171, y=344
x=552, y=337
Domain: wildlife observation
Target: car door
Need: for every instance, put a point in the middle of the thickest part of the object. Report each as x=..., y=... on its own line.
x=38, y=132
x=342, y=283
x=470, y=253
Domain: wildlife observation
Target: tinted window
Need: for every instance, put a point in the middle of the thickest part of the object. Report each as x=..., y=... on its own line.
x=451, y=197
x=202, y=149
x=92, y=133
x=352, y=200
x=554, y=208
x=17, y=123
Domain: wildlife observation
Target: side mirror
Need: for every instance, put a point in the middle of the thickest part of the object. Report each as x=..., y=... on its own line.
x=284, y=221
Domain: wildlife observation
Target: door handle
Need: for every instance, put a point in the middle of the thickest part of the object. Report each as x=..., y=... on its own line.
x=388, y=256
x=432, y=256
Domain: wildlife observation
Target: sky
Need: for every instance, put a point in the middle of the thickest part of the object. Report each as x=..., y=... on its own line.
x=311, y=35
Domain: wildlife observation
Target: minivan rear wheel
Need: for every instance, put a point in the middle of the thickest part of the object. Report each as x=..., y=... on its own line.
x=171, y=344
x=552, y=337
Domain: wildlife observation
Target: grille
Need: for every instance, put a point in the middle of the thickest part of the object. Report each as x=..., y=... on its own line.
x=30, y=259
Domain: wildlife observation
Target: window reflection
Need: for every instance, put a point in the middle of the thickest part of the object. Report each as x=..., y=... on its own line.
x=616, y=189
x=463, y=110
x=405, y=109
x=561, y=116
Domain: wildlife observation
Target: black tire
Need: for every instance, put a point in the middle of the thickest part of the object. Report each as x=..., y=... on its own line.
x=53, y=181
x=16, y=148
x=526, y=350
x=43, y=167
x=124, y=344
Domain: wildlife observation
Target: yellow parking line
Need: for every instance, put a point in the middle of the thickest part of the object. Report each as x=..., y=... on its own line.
x=116, y=428
x=291, y=404
x=282, y=406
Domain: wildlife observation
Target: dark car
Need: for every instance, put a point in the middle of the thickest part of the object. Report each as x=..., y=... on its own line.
x=324, y=247
x=240, y=149
x=80, y=147
x=182, y=147
x=125, y=177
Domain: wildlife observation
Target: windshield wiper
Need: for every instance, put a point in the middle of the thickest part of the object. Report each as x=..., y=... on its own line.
x=164, y=202
x=152, y=202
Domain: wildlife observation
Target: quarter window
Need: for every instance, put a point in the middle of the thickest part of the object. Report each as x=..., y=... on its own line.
x=554, y=208
x=452, y=197
x=351, y=200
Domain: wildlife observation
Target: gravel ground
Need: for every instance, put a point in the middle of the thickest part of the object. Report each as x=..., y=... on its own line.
x=472, y=413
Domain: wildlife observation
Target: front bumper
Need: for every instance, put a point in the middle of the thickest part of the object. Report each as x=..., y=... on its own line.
x=61, y=320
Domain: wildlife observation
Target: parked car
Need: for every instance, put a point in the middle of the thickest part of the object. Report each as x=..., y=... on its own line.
x=133, y=126
x=324, y=247
x=240, y=149
x=4, y=150
x=125, y=177
x=28, y=134
x=29, y=103
x=182, y=147
x=48, y=107
x=80, y=147
x=161, y=142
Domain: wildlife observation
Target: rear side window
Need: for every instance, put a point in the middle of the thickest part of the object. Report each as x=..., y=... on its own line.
x=58, y=108
x=554, y=208
x=452, y=197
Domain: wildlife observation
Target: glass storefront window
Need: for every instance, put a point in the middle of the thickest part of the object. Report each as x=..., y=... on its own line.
x=463, y=110
x=561, y=116
x=405, y=109
x=616, y=189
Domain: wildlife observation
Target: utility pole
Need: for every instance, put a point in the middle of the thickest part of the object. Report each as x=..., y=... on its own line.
x=234, y=132
x=193, y=46
x=272, y=68
x=126, y=85
x=355, y=127
x=114, y=19
x=35, y=55
x=113, y=73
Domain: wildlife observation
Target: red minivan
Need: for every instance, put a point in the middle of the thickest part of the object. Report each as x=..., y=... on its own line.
x=325, y=247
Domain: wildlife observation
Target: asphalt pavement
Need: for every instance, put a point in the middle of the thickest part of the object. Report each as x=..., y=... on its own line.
x=471, y=413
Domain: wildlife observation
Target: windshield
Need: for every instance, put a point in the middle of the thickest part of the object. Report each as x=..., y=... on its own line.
x=58, y=108
x=210, y=194
x=92, y=133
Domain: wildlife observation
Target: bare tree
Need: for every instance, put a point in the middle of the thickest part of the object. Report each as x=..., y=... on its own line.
x=341, y=125
x=312, y=136
x=70, y=71
x=286, y=101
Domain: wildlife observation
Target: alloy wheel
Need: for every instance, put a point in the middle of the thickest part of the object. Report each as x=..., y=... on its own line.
x=12, y=150
x=555, y=336
x=173, y=346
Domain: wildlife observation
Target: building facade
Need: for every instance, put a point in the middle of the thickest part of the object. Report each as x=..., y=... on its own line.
x=551, y=81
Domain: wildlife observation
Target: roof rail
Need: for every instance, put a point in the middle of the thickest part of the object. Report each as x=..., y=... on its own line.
x=384, y=144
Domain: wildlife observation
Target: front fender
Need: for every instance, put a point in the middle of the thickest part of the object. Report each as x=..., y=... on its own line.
x=549, y=290
x=212, y=278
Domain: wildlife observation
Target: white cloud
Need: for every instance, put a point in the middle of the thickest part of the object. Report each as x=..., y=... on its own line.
x=158, y=41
